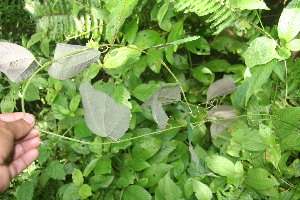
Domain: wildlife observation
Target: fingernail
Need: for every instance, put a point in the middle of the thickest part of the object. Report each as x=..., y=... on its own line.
x=29, y=118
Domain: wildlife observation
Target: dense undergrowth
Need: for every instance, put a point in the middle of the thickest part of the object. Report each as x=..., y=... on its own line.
x=147, y=85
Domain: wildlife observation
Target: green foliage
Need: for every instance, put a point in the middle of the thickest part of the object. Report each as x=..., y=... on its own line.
x=130, y=98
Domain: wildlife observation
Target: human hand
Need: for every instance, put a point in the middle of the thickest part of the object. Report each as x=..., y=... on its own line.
x=18, y=145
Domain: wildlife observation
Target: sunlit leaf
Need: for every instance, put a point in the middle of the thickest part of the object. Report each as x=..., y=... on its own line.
x=73, y=63
x=102, y=114
x=261, y=51
x=220, y=165
x=17, y=63
x=201, y=190
x=289, y=23
x=248, y=4
x=121, y=56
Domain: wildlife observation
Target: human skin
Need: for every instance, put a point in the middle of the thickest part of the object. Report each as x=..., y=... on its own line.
x=18, y=145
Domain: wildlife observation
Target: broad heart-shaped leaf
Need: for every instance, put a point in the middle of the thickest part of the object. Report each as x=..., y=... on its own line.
x=221, y=88
x=261, y=51
x=289, y=23
x=73, y=63
x=17, y=63
x=102, y=114
x=259, y=178
x=220, y=112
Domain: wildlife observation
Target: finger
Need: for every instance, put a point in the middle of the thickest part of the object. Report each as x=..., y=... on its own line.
x=25, y=146
x=32, y=134
x=9, y=117
x=22, y=162
x=5, y=178
x=21, y=127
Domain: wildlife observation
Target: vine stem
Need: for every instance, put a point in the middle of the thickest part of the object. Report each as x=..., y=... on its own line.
x=148, y=134
x=38, y=70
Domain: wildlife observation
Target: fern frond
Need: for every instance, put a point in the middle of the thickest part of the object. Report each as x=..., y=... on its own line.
x=222, y=15
x=57, y=21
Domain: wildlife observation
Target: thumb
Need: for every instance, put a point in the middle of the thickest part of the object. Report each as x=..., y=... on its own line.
x=22, y=127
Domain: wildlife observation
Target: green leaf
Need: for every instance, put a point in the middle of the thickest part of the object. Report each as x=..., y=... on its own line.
x=261, y=51
x=175, y=34
x=17, y=63
x=81, y=130
x=74, y=103
x=131, y=31
x=167, y=189
x=121, y=96
x=166, y=148
x=144, y=91
x=162, y=11
x=121, y=56
x=202, y=191
x=77, y=177
x=155, y=173
x=134, y=192
x=154, y=59
x=45, y=47
x=85, y=191
x=91, y=72
x=259, y=76
x=199, y=47
x=71, y=193
x=294, y=45
x=119, y=13
x=97, y=146
x=138, y=164
x=99, y=181
x=203, y=75
x=25, y=191
x=284, y=53
x=248, y=4
x=287, y=122
x=289, y=25
x=112, y=122
x=35, y=38
x=250, y=140
x=69, y=66
x=98, y=13
x=56, y=170
x=220, y=165
x=8, y=104
x=90, y=167
x=146, y=148
x=103, y=166
x=259, y=178
x=146, y=38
